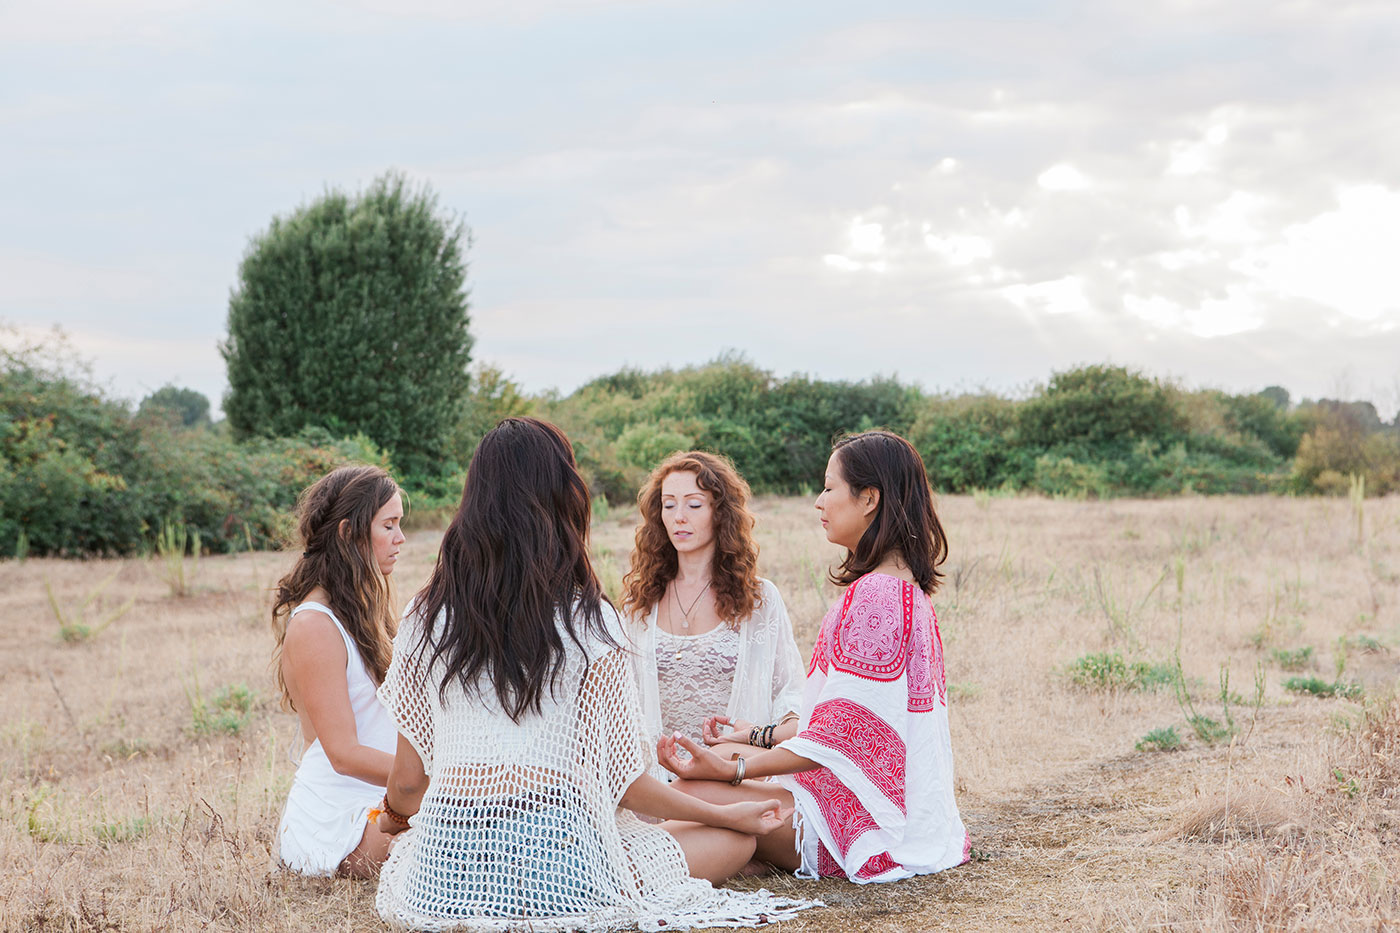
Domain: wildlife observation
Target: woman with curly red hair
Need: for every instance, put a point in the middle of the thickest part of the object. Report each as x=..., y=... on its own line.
x=715, y=656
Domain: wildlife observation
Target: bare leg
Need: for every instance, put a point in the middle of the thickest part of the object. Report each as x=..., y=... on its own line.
x=364, y=860
x=711, y=853
x=778, y=848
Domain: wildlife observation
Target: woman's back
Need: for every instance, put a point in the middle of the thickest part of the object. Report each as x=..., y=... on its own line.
x=520, y=821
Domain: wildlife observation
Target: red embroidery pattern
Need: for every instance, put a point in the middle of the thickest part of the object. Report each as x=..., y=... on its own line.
x=877, y=865
x=840, y=808
x=821, y=651
x=866, y=740
x=925, y=662
x=827, y=867
x=872, y=640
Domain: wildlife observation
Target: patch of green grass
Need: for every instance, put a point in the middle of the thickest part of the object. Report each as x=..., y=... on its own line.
x=1316, y=686
x=1209, y=730
x=1109, y=671
x=1294, y=660
x=1165, y=739
x=964, y=690
x=127, y=830
x=228, y=712
x=1368, y=645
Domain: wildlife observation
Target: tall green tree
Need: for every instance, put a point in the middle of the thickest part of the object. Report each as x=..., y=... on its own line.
x=350, y=314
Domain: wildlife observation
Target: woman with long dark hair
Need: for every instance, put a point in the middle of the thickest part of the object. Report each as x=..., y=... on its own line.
x=520, y=752
x=870, y=770
x=715, y=655
x=334, y=621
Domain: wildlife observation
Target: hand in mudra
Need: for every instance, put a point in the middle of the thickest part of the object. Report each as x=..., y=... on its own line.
x=738, y=733
x=702, y=765
x=757, y=817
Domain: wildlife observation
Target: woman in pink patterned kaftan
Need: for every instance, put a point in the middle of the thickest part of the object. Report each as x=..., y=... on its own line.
x=870, y=770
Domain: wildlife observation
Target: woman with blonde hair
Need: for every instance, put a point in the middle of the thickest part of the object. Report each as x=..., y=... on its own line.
x=715, y=655
x=334, y=622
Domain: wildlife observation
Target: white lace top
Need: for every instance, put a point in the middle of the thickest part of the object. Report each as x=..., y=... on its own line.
x=520, y=825
x=695, y=676
x=764, y=684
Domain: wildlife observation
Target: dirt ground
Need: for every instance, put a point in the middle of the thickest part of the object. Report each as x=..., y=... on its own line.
x=144, y=760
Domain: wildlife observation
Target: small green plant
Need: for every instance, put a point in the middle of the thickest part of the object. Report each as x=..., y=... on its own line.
x=1165, y=739
x=1316, y=686
x=964, y=690
x=126, y=830
x=1368, y=645
x=1294, y=660
x=21, y=546
x=228, y=712
x=1109, y=671
x=1208, y=730
x=1346, y=784
x=75, y=624
x=173, y=541
x=601, y=510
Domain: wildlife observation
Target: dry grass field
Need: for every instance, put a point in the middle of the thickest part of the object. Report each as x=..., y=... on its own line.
x=143, y=764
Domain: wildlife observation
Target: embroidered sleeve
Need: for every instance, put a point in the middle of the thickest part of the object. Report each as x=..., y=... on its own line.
x=872, y=638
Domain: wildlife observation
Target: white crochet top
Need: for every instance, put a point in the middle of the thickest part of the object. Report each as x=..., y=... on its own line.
x=520, y=824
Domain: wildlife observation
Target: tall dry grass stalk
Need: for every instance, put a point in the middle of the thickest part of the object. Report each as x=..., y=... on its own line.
x=122, y=814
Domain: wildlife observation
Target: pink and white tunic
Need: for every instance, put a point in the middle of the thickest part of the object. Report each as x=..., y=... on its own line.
x=875, y=716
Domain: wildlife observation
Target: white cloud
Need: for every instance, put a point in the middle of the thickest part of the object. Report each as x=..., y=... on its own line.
x=1061, y=296
x=1343, y=259
x=1063, y=177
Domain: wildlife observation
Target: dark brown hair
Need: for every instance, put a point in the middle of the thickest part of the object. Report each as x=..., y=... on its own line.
x=513, y=570
x=342, y=564
x=905, y=522
x=733, y=568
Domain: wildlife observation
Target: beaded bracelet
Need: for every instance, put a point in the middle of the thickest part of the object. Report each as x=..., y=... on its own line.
x=393, y=815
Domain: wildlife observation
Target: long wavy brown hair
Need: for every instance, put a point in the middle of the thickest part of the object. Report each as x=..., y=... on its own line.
x=513, y=579
x=734, y=567
x=905, y=522
x=342, y=563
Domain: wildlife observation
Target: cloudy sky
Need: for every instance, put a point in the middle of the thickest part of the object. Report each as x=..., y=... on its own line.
x=964, y=194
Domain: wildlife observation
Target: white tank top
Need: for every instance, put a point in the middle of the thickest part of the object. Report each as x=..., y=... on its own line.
x=373, y=726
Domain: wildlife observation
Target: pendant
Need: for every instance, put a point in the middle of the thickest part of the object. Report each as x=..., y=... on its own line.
x=678, y=656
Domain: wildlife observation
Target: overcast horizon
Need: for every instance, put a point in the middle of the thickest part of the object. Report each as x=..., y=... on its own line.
x=968, y=197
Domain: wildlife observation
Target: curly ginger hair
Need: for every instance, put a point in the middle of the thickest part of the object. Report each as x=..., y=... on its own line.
x=734, y=567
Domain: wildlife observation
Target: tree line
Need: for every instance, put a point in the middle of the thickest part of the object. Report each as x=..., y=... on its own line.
x=349, y=339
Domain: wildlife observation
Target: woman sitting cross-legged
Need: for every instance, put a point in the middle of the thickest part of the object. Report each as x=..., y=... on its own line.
x=334, y=622
x=870, y=770
x=715, y=654
x=520, y=734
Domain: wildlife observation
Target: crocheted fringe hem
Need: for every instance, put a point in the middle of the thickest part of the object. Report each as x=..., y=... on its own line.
x=728, y=909
x=759, y=909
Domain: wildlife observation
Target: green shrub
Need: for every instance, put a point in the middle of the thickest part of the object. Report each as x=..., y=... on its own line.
x=1294, y=660
x=1109, y=671
x=1316, y=686
x=1165, y=739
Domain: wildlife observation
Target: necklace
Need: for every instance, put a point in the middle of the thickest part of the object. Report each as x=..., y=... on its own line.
x=685, y=613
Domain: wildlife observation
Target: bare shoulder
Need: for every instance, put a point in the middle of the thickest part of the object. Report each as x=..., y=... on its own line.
x=312, y=636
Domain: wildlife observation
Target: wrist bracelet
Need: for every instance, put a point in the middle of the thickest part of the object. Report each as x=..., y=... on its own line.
x=753, y=735
x=738, y=770
x=393, y=815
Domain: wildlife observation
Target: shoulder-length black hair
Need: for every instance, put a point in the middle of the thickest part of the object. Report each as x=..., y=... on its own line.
x=905, y=522
x=513, y=575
